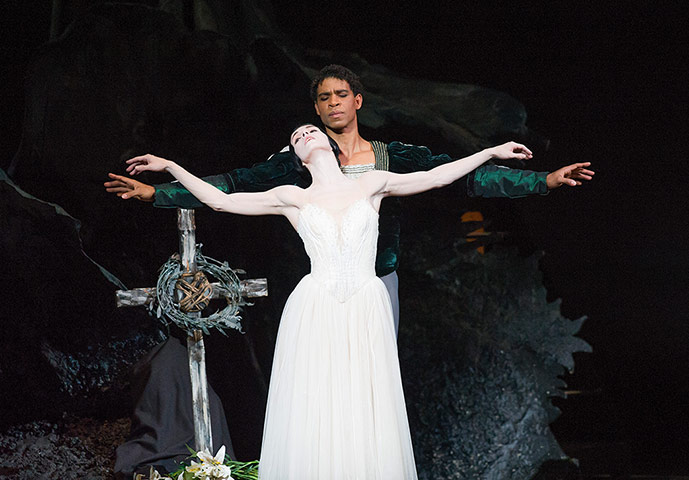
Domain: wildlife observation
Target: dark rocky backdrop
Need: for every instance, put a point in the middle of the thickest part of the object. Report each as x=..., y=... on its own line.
x=222, y=90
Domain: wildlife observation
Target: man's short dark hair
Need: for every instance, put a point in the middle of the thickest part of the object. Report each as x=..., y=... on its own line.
x=339, y=72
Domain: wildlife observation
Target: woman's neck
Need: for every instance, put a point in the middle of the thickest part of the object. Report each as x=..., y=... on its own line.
x=324, y=169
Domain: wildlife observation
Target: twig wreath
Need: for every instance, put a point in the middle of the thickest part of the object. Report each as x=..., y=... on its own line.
x=196, y=293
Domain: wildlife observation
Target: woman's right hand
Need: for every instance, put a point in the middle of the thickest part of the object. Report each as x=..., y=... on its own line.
x=147, y=162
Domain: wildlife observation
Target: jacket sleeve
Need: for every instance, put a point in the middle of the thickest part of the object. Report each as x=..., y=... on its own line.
x=491, y=181
x=279, y=169
x=486, y=181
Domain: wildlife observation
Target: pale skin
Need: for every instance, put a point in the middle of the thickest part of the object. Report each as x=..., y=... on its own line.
x=337, y=107
x=330, y=189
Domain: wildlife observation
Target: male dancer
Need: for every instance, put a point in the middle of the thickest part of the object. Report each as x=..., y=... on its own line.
x=337, y=94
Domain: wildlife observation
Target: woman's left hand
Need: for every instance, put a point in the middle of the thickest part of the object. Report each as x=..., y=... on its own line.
x=146, y=162
x=512, y=150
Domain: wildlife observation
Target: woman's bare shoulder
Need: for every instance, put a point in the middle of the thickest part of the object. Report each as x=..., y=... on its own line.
x=290, y=195
x=374, y=181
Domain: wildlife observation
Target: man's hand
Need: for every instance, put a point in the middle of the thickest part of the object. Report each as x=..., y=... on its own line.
x=125, y=188
x=571, y=175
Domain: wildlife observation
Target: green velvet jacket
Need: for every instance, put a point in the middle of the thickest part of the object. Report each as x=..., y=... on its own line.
x=279, y=169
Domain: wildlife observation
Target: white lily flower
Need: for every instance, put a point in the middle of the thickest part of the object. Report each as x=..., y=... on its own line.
x=194, y=467
x=221, y=472
x=210, y=467
x=220, y=456
x=205, y=456
x=207, y=470
x=153, y=474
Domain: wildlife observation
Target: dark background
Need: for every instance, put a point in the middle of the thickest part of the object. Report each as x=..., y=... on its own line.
x=606, y=84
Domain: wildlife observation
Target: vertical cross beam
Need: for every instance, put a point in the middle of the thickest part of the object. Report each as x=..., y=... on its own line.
x=195, y=348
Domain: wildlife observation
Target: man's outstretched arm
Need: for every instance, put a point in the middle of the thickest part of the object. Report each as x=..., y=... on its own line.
x=495, y=181
x=277, y=170
x=489, y=181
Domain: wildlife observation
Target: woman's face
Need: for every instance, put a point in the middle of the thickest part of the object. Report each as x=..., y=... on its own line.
x=307, y=138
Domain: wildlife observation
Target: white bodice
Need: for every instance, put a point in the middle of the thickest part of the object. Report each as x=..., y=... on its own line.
x=342, y=251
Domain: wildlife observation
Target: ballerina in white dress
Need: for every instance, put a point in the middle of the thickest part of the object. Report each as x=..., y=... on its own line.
x=335, y=404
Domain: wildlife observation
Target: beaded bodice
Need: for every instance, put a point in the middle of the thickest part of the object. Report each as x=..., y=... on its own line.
x=342, y=248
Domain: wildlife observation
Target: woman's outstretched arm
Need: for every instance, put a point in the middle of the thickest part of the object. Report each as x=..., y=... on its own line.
x=412, y=183
x=272, y=202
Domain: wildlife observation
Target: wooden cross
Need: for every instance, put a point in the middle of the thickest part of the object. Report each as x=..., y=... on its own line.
x=195, y=348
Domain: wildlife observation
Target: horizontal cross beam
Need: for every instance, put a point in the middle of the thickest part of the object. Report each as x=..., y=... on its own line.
x=251, y=288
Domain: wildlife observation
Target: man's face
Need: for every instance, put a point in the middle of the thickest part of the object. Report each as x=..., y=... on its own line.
x=336, y=105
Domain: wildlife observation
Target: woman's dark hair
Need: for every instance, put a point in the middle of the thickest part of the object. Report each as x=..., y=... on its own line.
x=298, y=165
x=339, y=72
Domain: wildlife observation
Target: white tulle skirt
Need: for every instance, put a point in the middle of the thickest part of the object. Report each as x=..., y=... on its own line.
x=335, y=405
